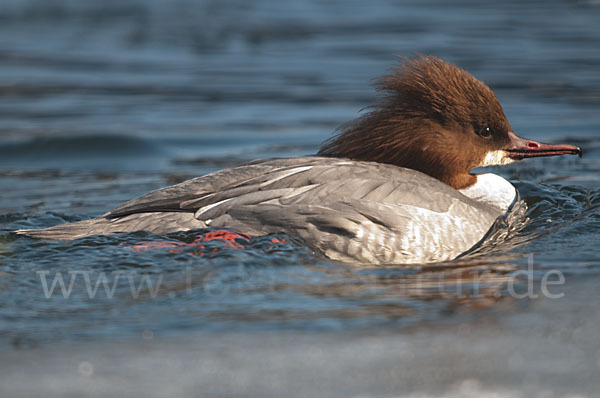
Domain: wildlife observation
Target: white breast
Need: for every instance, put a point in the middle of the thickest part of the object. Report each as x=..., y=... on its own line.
x=492, y=189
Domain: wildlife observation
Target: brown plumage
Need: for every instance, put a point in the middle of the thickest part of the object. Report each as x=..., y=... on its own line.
x=433, y=117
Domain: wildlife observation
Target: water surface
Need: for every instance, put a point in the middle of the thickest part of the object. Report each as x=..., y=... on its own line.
x=104, y=101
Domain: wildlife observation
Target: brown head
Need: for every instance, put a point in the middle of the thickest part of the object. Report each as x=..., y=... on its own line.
x=438, y=119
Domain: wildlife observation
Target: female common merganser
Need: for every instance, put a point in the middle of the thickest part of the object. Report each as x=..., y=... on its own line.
x=395, y=186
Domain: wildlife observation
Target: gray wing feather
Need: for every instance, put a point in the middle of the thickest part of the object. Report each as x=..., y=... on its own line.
x=364, y=231
x=170, y=198
x=350, y=211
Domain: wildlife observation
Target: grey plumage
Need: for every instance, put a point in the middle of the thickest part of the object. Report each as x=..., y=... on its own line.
x=350, y=211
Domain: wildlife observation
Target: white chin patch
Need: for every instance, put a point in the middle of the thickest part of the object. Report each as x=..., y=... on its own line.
x=496, y=158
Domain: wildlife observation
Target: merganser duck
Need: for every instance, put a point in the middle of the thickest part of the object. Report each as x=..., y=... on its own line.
x=395, y=186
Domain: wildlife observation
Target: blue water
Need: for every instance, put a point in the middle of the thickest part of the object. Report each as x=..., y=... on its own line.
x=104, y=101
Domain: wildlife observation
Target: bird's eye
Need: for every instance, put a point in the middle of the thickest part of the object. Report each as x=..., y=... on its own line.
x=485, y=132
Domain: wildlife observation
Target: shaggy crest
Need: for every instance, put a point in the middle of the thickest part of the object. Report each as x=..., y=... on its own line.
x=429, y=118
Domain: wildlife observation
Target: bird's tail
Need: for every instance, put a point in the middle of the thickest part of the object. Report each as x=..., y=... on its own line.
x=154, y=222
x=72, y=231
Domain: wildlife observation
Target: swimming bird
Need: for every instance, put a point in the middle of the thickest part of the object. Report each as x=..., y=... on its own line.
x=394, y=186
